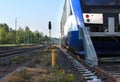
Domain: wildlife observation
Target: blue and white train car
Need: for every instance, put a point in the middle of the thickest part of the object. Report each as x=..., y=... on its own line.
x=100, y=17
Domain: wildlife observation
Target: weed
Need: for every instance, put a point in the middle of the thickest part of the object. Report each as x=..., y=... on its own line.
x=70, y=78
x=17, y=59
x=37, y=60
x=24, y=74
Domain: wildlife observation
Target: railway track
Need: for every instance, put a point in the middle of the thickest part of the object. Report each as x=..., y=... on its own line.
x=8, y=50
x=7, y=56
x=105, y=72
x=18, y=50
x=6, y=64
x=110, y=70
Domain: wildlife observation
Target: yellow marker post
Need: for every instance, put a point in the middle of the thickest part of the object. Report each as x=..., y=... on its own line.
x=53, y=58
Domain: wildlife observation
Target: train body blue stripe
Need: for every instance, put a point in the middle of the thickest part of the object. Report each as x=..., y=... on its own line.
x=75, y=42
x=101, y=47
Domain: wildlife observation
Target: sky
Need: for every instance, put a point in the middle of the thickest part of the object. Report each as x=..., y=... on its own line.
x=32, y=13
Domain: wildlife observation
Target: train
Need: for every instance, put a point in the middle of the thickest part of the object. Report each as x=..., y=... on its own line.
x=101, y=18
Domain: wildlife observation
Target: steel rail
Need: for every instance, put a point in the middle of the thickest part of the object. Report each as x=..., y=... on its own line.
x=106, y=75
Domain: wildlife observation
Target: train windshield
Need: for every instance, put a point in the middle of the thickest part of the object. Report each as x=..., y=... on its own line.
x=102, y=2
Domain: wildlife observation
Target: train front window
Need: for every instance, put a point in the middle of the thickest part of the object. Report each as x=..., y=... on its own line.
x=100, y=6
x=102, y=2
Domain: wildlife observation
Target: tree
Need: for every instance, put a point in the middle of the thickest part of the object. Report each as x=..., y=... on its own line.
x=10, y=38
x=46, y=39
x=41, y=37
x=3, y=34
x=5, y=26
x=27, y=37
x=20, y=36
x=8, y=35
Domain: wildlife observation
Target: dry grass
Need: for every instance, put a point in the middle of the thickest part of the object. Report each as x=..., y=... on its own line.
x=42, y=72
x=14, y=78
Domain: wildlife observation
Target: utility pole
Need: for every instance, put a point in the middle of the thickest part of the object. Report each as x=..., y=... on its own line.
x=50, y=27
x=28, y=37
x=15, y=30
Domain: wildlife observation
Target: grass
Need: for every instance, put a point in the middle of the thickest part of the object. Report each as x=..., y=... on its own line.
x=17, y=59
x=43, y=73
x=14, y=78
x=19, y=77
x=8, y=44
x=24, y=74
x=59, y=75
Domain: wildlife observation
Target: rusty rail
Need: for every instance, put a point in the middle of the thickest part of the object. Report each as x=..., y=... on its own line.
x=107, y=76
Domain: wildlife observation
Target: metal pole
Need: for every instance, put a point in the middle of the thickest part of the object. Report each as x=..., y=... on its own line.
x=28, y=38
x=50, y=38
x=15, y=29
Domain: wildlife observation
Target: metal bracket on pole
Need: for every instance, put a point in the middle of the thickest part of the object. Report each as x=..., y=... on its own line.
x=90, y=54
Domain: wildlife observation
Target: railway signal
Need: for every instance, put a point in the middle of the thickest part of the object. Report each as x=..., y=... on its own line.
x=49, y=27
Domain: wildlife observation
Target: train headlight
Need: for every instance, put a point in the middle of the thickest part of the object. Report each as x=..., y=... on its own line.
x=88, y=20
